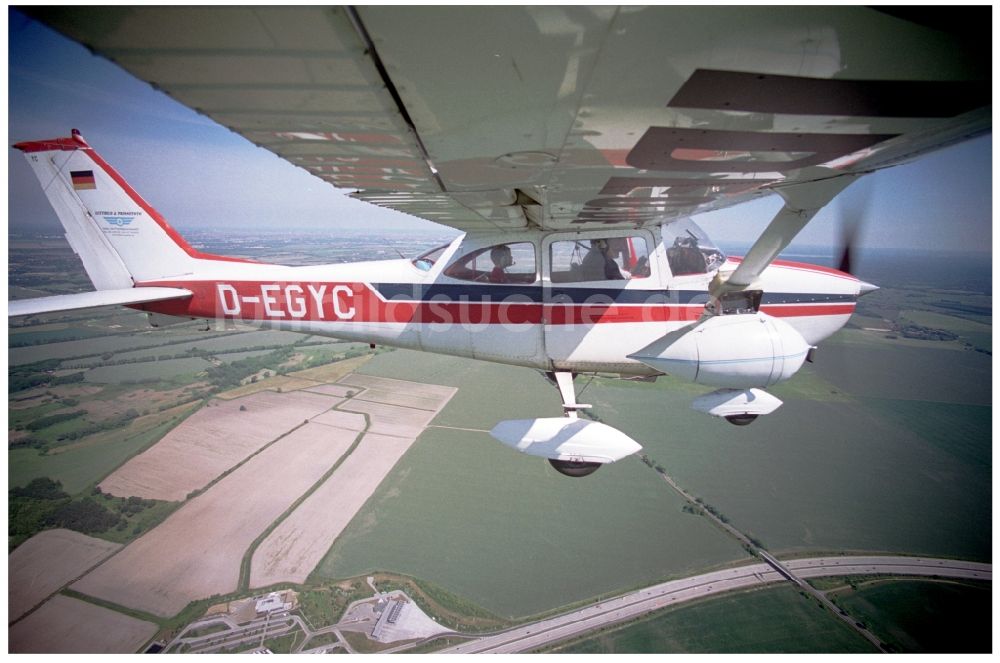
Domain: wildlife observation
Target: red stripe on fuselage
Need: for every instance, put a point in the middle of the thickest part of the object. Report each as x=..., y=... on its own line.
x=805, y=310
x=154, y=215
x=359, y=303
x=819, y=269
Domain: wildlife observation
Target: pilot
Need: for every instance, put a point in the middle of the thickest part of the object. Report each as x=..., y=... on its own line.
x=502, y=259
x=685, y=257
x=598, y=265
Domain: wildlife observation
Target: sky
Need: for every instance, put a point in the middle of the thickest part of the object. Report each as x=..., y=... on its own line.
x=201, y=175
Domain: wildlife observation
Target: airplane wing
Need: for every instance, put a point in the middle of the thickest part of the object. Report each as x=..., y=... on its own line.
x=559, y=117
x=92, y=299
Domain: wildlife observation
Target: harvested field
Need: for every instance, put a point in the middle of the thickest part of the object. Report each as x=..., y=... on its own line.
x=298, y=544
x=332, y=372
x=136, y=427
x=392, y=419
x=338, y=419
x=210, y=442
x=278, y=383
x=197, y=551
x=40, y=566
x=139, y=399
x=310, y=378
x=69, y=626
x=388, y=384
x=331, y=390
x=399, y=397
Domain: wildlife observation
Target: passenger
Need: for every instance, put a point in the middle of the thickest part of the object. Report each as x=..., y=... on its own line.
x=502, y=259
x=597, y=265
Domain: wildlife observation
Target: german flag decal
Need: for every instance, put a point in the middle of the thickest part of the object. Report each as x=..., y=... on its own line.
x=82, y=179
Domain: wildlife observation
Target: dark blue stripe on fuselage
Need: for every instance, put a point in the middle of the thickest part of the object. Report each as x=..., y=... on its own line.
x=475, y=292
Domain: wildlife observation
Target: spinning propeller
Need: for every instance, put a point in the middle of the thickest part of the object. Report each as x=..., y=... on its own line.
x=853, y=214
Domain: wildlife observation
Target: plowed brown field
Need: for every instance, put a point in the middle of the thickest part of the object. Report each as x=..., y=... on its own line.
x=69, y=626
x=40, y=566
x=211, y=441
x=197, y=551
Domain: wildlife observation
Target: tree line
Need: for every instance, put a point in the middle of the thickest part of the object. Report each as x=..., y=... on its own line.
x=43, y=504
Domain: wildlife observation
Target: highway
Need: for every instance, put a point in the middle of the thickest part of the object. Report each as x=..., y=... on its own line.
x=630, y=606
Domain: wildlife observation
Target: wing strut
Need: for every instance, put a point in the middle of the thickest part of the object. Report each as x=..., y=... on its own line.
x=802, y=201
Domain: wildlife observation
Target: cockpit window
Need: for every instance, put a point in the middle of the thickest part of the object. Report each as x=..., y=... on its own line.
x=500, y=263
x=600, y=259
x=425, y=261
x=689, y=250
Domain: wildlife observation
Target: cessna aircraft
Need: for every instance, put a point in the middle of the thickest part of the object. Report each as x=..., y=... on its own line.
x=571, y=145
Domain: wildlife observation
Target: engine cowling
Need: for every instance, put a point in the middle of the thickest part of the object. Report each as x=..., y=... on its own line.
x=734, y=351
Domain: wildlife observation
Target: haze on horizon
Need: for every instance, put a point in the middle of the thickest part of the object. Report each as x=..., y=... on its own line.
x=200, y=175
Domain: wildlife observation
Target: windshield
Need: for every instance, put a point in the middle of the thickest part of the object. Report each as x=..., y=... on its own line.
x=425, y=261
x=689, y=250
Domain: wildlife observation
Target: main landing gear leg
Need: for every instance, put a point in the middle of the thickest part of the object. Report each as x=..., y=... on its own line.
x=572, y=445
x=564, y=381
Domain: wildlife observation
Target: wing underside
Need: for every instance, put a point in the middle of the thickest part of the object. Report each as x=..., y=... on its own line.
x=493, y=118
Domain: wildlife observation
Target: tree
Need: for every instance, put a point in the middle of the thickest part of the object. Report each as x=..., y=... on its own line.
x=42, y=488
x=85, y=516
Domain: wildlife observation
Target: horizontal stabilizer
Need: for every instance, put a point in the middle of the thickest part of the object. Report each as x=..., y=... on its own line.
x=92, y=299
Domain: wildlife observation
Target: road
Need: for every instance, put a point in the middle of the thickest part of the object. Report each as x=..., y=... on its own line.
x=529, y=637
x=251, y=634
x=538, y=634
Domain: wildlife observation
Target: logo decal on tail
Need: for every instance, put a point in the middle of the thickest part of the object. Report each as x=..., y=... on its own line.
x=118, y=220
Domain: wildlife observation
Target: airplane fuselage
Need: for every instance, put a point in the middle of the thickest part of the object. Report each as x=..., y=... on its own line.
x=568, y=326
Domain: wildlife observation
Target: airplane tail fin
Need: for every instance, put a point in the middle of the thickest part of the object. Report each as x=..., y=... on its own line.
x=119, y=237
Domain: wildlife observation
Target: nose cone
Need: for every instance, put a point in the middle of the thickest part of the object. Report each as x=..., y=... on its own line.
x=864, y=288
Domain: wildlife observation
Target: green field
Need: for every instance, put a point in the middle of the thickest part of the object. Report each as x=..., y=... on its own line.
x=774, y=620
x=28, y=337
x=222, y=343
x=831, y=470
x=504, y=530
x=81, y=466
x=942, y=321
x=885, y=474
x=899, y=371
x=166, y=345
x=920, y=616
x=230, y=357
x=92, y=346
x=153, y=370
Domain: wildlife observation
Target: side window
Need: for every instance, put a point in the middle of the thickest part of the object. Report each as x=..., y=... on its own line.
x=689, y=251
x=425, y=261
x=600, y=259
x=501, y=263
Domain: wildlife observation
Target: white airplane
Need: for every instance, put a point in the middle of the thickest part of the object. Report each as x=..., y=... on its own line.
x=569, y=144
